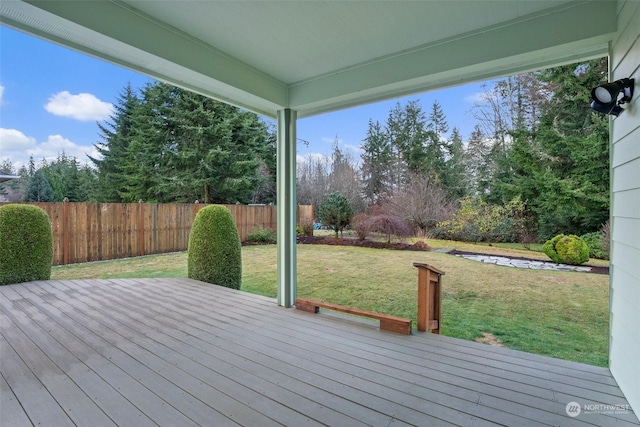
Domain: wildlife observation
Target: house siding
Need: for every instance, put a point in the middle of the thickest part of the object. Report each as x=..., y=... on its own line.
x=625, y=211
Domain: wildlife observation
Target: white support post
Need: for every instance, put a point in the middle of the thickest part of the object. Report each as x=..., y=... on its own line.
x=287, y=207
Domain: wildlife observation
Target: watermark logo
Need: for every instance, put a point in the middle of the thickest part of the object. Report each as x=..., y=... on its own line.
x=573, y=409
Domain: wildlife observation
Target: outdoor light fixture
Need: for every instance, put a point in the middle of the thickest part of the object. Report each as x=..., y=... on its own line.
x=605, y=96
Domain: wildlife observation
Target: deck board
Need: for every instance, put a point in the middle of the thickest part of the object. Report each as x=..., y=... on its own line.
x=180, y=352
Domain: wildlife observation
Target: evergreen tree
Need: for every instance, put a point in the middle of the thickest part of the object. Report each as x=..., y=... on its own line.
x=63, y=176
x=438, y=121
x=455, y=167
x=377, y=158
x=39, y=189
x=267, y=172
x=406, y=129
x=434, y=162
x=171, y=145
x=213, y=152
x=116, y=137
x=559, y=167
x=476, y=159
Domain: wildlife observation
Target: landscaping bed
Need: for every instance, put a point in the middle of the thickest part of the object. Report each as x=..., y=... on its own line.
x=418, y=246
x=325, y=240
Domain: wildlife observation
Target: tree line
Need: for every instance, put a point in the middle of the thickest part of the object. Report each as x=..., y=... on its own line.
x=163, y=144
x=537, y=152
x=538, y=156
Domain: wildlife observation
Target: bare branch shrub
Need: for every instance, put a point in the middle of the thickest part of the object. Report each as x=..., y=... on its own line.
x=421, y=203
x=307, y=226
x=359, y=224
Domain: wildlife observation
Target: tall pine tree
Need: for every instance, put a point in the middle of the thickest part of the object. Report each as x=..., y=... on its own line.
x=377, y=160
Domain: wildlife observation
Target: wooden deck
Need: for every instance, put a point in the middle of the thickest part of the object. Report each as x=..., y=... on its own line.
x=176, y=352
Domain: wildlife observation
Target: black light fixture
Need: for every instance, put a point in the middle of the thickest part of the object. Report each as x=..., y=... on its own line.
x=605, y=96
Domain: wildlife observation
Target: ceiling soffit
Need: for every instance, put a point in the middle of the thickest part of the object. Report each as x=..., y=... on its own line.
x=321, y=56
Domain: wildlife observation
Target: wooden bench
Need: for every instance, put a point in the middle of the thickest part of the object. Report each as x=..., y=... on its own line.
x=399, y=325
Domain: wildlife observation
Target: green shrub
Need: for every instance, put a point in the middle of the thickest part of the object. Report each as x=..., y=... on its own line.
x=567, y=249
x=214, y=253
x=594, y=242
x=262, y=235
x=26, y=244
x=479, y=221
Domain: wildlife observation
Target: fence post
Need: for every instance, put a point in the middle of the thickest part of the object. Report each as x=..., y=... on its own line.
x=140, y=227
x=429, y=297
x=65, y=231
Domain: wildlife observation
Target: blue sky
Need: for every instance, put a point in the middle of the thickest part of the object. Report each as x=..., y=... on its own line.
x=51, y=99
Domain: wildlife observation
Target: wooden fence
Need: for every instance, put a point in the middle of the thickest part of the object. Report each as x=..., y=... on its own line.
x=85, y=232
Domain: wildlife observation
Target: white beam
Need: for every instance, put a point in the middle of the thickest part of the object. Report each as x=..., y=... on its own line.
x=553, y=37
x=287, y=207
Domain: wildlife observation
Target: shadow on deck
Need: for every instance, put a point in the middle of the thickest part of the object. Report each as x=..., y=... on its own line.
x=177, y=352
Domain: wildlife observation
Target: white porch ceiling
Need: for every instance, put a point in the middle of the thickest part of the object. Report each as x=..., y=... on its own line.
x=318, y=56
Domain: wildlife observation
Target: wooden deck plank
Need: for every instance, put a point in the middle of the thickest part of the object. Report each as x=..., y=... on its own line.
x=60, y=380
x=328, y=371
x=263, y=366
x=11, y=412
x=141, y=390
x=202, y=410
x=198, y=349
x=255, y=371
x=84, y=367
x=70, y=397
x=559, y=408
x=226, y=375
x=551, y=392
x=36, y=400
x=538, y=368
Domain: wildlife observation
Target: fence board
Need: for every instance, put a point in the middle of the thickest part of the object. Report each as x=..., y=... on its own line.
x=85, y=232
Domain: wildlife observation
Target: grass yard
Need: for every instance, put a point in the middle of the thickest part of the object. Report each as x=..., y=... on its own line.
x=560, y=314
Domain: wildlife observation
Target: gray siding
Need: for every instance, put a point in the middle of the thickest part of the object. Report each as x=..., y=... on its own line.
x=625, y=211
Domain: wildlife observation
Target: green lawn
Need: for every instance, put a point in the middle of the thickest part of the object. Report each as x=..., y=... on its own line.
x=560, y=314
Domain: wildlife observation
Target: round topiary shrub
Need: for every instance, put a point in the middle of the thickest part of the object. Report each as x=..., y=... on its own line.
x=567, y=249
x=26, y=244
x=214, y=253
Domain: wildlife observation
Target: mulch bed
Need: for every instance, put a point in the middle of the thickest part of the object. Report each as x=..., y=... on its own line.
x=313, y=240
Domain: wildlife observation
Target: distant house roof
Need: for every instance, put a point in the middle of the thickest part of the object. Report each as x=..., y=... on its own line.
x=6, y=177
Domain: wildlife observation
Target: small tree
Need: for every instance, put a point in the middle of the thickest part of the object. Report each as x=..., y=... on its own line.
x=26, y=244
x=214, y=254
x=389, y=225
x=335, y=212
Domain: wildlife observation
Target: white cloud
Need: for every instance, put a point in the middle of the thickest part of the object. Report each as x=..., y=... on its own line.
x=14, y=141
x=83, y=106
x=18, y=147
